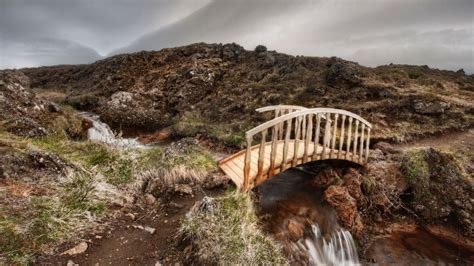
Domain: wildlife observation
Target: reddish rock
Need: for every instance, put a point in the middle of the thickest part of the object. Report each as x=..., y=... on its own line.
x=324, y=179
x=296, y=229
x=352, y=181
x=345, y=206
x=158, y=136
x=86, y=124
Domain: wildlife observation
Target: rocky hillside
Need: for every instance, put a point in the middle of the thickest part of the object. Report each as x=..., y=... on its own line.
x=213, y=90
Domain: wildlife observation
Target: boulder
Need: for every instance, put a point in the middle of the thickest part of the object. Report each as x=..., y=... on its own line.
x=346, y=207
x=260, y=49
x=431, y=108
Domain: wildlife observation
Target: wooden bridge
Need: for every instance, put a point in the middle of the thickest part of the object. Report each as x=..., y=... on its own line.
x=297, y=135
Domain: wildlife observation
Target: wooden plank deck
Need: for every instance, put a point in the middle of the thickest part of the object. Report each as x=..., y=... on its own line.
x=233, y=166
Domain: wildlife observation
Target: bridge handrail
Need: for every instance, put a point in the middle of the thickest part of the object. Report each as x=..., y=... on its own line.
x=280, y=119
x=279, y=108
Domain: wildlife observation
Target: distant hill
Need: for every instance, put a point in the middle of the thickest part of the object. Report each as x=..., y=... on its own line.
x=209, y=89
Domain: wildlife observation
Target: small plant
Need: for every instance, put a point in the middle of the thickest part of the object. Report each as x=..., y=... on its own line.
x=413, y=75
x=120, y=171
x=416, y=167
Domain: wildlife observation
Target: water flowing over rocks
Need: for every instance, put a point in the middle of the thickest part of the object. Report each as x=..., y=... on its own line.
x=100, y=131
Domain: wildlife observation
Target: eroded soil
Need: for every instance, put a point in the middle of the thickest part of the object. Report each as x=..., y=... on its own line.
x=125, y=244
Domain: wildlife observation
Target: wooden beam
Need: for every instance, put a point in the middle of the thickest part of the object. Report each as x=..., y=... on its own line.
x=349, y=135
x=341, y=138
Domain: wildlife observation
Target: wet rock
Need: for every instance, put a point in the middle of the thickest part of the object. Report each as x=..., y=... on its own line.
x=345, y=206
x=157, y=137
x=431, y=108
x=86, y=124
x=79, y=249
x=295, y=229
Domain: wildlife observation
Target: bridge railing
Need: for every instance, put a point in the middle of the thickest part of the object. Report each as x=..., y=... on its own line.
x=332, y=133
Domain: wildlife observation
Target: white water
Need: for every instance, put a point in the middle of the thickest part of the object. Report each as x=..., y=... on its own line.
x=339, y=250
x=101, y=132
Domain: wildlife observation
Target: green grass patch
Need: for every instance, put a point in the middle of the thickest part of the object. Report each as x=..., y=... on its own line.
x=416, y=167
x=43, y=220
x=225, y=230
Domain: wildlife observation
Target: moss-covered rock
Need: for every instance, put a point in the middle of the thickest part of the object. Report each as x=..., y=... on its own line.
x=441, y=187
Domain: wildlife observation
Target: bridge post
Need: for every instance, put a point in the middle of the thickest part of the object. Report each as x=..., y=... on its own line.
x=361, y=143
x=341, y=137
x=248, y=157
x=333, y=143
x=349, y=135
x=356, y=135
x=261, y=155
x=316, y=138
x=297, y=142
x=367, y=146
x=273, y=151
x=309, y=135
x=327, y=135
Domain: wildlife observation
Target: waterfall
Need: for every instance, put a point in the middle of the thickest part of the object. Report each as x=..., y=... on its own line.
x=338, y=250
x=100, y=131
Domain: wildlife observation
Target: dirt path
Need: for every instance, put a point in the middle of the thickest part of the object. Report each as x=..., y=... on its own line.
x=464, y=139
x=127, y=244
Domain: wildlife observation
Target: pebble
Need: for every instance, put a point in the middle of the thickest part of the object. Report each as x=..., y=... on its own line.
x=80, y=248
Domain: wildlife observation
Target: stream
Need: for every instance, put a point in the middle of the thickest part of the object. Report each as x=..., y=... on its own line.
x=298, y=212
x=295, y=213
x=101, y=132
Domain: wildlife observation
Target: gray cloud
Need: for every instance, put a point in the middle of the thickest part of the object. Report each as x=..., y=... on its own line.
x=433, y=32
x=44, y=52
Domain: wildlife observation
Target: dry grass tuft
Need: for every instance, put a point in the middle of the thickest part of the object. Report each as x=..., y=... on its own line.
x=225, y=230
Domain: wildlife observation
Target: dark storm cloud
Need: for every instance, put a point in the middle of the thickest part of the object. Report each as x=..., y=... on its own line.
x=434, y=32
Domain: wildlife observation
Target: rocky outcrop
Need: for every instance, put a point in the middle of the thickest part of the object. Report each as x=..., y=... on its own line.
x=345, y=206
x=431, y=108
x=24, y=114
x=219, y=86
x=441, y=187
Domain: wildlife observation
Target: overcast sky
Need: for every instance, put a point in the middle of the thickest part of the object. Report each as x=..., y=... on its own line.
x=438, y=33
